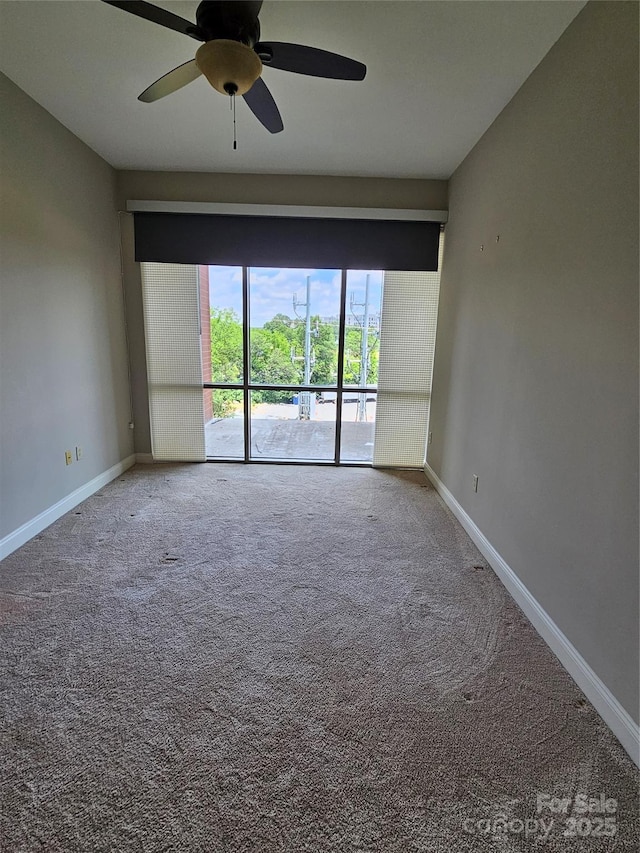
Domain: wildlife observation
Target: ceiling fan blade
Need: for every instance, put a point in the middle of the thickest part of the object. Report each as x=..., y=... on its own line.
x=309, y=60
x=171, y=82
x=157, y=16
x=260, y=101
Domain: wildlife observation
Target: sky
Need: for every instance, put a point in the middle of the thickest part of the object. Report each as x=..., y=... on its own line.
x=272, y=291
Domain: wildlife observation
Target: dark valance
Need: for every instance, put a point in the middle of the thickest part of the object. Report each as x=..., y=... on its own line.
x=274, y=241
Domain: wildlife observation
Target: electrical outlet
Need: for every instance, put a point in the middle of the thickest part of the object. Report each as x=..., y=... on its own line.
x=78, y=453
x=475, y=482
x=68, y=457
x=430, y=437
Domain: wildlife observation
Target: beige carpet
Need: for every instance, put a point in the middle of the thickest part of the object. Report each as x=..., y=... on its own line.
x=250, y=659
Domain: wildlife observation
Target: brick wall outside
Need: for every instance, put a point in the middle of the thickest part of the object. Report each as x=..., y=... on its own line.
x=205, y=338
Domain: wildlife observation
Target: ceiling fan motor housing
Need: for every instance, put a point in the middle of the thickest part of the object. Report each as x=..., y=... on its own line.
x=230, y=66
x=229, y=19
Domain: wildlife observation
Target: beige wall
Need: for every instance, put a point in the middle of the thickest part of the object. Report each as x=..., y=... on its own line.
x=324, y=191
x=244, y=189
x=63, y=358
x=536, y=373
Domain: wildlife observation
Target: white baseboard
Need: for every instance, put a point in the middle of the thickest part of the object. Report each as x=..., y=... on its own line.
x=615, y=716
x=36, y=525
x=147, y=458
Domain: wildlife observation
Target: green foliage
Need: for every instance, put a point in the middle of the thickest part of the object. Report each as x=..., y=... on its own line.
x=271, y=364
x=226, y=346
x=225, y=403
x=226, y=359
x=352, y=356
x=271, y=356
x=283, y=324
x=325, y=351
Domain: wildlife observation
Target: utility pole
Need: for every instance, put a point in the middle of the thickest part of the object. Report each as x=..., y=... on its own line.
x=304, y=404
x=361, y=414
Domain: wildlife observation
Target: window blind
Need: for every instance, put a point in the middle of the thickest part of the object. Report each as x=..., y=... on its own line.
x=281, y=241
x=174, y=363
x=407, y=346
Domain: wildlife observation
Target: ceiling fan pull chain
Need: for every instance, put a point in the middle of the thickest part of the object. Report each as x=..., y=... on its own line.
x=235, y=140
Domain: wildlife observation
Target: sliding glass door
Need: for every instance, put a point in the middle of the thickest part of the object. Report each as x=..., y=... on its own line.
x=294, y=342
x=360, y=366
x=294, y=356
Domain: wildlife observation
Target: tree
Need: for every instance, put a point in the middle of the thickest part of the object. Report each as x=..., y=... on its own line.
x=353, y=354
x=283, y=324
x=271, y=364
x=226, y=358
x=226, y=346
x=272, y=348
x=325, y=351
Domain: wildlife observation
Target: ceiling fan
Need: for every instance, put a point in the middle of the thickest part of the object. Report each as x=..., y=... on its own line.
x=232, y=56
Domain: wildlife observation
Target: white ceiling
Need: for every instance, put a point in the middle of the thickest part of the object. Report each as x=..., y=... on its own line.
x=439, y=72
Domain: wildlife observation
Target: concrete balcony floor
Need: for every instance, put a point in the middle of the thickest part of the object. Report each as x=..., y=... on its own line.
x=277, y=433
